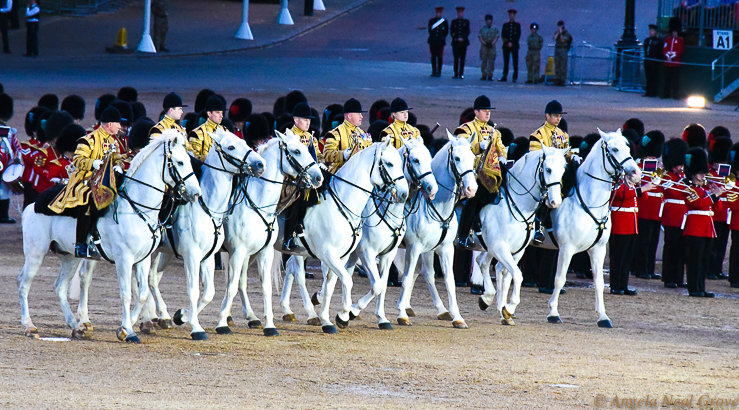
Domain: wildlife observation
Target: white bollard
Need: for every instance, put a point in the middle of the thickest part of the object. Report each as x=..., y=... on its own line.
x=244, y=32
x=318, y=5
x=285, y=17
x=147, y=45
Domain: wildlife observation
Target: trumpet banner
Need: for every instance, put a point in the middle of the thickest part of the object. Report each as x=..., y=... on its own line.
x=103, y=184
x=488, y=171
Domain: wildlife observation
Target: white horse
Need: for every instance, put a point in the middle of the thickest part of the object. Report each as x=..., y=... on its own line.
x=332, y=228
x=434, y=227
x=508, y=226
x=198, y=227
x=129, y=231
x=252, y=232
x=582, y=222
x=384, y=227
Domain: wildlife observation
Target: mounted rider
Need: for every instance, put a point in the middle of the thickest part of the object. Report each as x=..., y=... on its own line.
x=172, y=106
x=295, y=213
x=89, y=156
x=399, y=129
x=347, y=139
x=489, y=150
x=199, y=138
x=549, y=135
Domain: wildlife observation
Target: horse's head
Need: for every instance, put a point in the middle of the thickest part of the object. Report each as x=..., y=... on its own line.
x=552, y=168
x=417, y=161
x=301, y=164
x=618, y=156
x=177, y=162
x=387, y=171
x=234, y=155
x=462, y=163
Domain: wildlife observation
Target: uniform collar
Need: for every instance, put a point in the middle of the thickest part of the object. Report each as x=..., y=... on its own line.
x=349, y=126
x=210, y=124
x=167, y=120
x=479, y=122
x=298, y=131
x=549, y=127
x=401, y=124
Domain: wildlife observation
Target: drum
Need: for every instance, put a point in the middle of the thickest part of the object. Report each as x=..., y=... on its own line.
x=12, y=176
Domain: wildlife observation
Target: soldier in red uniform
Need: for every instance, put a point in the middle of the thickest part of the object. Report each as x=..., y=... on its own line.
x=718, y=154
x=698, y=221
x=624, y=232
x=672, y=50
x=650, y=202
x=732, y=202
x=673, y=210
x=57, y=170
x=29, y=149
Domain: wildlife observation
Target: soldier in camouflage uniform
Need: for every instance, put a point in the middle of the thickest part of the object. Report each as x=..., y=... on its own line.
x=535, y=43
x=488, y=38
x=562, y=43
x=161, y=24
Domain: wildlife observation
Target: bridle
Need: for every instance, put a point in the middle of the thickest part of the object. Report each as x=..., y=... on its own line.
x=240, y=163
x=389, y=184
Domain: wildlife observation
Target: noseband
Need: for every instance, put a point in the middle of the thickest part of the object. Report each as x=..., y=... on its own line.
x=302, y=171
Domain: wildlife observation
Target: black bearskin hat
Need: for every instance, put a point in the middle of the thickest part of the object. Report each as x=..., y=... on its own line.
x=67, y=139
x=40, y=123
x=228, y=124
x=239, y=110
x=190, y=121
x=128, y=94
x=126, y=112
x=328, y=116
x=696, y=161
x=375, y=109
x=102, y=103
x=719, y=153
x=50, y=101
x=32, y=119
x=734, y=157
x=634, y=124
x=375, y=129
x=506, y=136
x=56, y=123
x=695, y=136
x=673, y=153
x=139, y=110
x=587, y=144
x=256, y=127
x=202, y=98
x=6, y=107
x=651, y=144
x=292, y=99
x=575, y=142
x=138, y=136
x=518, y=148
x=75, y=105
x=279, y=107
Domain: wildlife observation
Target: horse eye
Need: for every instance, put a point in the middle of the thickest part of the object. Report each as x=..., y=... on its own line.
x=180, y=163
x=615, y=150
x=456, y=159
x=231, y=148
x=388, y=164
x=549, y=170
x=296, y=152
x=416, y=161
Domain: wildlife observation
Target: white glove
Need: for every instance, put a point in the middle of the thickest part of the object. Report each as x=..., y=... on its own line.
x=576, y=158
x=118, y=169
x=347, y=153
x=484, y=144
x=56, y=180
x=97, y=163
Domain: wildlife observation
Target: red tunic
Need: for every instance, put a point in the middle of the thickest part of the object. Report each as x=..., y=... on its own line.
x=720, y=210
x=732, y=203
x=674, y=207
x=28, y=150
x=673, y=44
x=650, y=202
x=699, y=218
x=42, y=162
x=623, y=211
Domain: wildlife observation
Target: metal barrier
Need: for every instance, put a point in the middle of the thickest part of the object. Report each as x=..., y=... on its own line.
x=587, y=65
x=702, y=14
x=83, y=7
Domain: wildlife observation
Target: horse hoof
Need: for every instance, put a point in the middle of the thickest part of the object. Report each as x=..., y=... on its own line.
x=271, y=331
x=605, y=323
x=199, y=336
x=255, y=324
x=78, y=333
x=121, y=334
x=177, y=319
x=87, y=326
x=386, y=326
x=165, y=323
x=330, y=329
x=506, y=314
x=289, y=318
x=554, y=319
x=133, y=339
x=147, y=328
x=410, y=312
x=352, y=316
x=460, y=324
x=481, y=303
x=342, y=324
x=230, y=321
x=32, y=332
x=314, y=299
x=314, y=321
x=507, y=322
x=404, y=321
x=224, y=330
x=445, y=316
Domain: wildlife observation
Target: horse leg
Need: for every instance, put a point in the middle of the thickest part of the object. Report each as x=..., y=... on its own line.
x=336, y=265
x=252, y=320
x=141, y=270
x=236, y=260
x=487, y=298
x=296, y=265
x=287, y=287
x=329, y=283
x=385, y=262
x=30, y=269
x=446, y=256
x=406, y=289
x=155, y=277
x=516, y=294
x=67, y=270
x=597, y=256
x=192, y=271
x=368, y=261
x=207, y=269
x=123, y=267
x=563, y=262
x=86, y=268
x=427, y=268
x=264, y=266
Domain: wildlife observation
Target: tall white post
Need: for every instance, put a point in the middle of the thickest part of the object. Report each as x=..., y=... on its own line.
x=318, y=5
x=244, y=32
x=147, y=45
x=285, y=17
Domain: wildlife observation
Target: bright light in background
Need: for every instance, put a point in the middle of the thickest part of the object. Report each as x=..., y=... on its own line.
x=695, y=101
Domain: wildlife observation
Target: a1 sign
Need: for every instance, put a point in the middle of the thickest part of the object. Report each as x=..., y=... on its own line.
x=723, y=39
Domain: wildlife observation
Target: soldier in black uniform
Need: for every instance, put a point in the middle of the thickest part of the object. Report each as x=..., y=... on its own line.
x=652, y=60
x=511, y=35
x=438, y=30
x=460, y=32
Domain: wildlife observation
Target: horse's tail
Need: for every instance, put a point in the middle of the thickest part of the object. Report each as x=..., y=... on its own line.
x=277, y=273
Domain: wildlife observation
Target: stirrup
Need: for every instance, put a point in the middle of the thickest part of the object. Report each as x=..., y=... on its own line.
x=86, y=251
x=290, y=244
x=539, y=237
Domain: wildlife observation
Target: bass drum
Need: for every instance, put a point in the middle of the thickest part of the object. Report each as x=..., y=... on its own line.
x=12, y=176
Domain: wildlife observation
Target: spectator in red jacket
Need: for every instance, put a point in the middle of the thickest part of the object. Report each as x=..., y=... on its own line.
x=673, y=51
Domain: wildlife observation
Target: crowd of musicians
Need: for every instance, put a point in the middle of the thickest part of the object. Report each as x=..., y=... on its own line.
x=687, y=191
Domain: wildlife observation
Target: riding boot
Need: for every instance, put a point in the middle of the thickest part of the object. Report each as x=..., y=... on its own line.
x=539, y=237
x=4, y=209
x=392, y=276
x=218, y=261
x=465, y=233
x=293, y=223
x=84, y=221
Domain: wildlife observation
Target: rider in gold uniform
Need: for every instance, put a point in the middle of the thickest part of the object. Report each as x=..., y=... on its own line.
x=172, y=105
x=199, y=138
x=399, y=129
x=347, y=139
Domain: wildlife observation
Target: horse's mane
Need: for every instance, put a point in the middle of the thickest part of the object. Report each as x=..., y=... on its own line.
x=156, y=141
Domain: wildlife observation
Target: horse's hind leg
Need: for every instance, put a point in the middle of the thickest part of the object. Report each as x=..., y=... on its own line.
x=597, y=256
x=427, y=268
x=155, y=277
x=517, y=280
x=236, y=260
x=287, y=288
x=409, y=279
x=253, y=320
x=86, y=268
x=487, y=298
x=563, y=262
x=296, y=265
x=67, y=270
x=30, y=268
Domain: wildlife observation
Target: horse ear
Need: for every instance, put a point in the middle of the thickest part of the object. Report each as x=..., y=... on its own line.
x=450, y=136
x=281, y=136
x=217, y=135
x=387, y=142
x=471, y=138
x=289, y=132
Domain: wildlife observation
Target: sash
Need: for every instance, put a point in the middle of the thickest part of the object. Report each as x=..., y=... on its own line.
x=438, y=23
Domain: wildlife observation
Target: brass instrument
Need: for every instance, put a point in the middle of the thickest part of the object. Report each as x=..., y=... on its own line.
x=658, y=175
x=728, y=182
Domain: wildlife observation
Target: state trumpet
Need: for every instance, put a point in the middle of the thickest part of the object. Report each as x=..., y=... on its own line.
x=728, y=182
